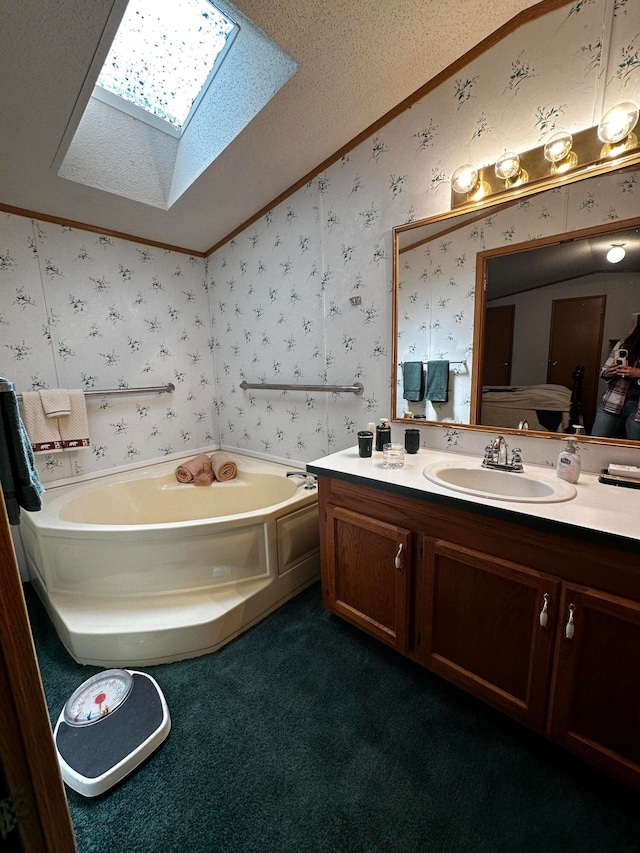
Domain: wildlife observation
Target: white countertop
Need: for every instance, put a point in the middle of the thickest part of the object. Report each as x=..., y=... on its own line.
x=596, y=507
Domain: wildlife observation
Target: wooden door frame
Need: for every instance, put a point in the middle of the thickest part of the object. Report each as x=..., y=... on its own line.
x=27, y=751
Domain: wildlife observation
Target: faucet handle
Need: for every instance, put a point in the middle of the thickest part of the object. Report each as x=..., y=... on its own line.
x=516, y=459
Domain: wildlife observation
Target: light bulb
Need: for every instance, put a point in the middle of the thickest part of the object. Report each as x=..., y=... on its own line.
x=618, y=122
x=508, y=166
x=465, y=178
x=558, y=146
x=616, y=253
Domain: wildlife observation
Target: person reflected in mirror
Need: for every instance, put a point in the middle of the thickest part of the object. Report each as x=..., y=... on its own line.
x=619, y=413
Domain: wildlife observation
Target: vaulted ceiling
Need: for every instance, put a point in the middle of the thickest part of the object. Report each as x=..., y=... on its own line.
x=358, y=60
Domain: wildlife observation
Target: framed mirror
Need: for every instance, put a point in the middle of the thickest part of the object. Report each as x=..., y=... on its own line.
x=504, y=314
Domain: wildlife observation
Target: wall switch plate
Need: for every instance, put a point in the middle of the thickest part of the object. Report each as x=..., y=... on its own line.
x=355, y=300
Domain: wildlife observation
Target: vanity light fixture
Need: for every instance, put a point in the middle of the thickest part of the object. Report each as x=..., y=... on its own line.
x=509, y=170
x=570, y=155
x=558, y=151
x=616, y=253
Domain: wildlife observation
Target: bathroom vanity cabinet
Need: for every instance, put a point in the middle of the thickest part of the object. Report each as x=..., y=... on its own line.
x=533, y=619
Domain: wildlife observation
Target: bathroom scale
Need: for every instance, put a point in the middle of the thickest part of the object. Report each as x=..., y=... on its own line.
x=109, y=725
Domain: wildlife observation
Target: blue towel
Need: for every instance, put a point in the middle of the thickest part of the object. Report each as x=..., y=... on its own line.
x=413, y=381
x=21, y=485
x=437, y=381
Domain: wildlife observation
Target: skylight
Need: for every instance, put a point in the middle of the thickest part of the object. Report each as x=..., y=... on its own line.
x=164, y=54
x=182, y=110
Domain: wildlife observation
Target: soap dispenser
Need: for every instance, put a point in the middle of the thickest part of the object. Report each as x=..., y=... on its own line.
x=383, y=434
x=569, y=463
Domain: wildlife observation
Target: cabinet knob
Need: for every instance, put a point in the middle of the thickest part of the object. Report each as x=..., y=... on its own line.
x=569, y=627
x=399, y=560
x=544, y=616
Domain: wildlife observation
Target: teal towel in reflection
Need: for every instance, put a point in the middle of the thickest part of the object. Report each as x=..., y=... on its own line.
x=413, y=380
x=437, y=381
x=20, y=482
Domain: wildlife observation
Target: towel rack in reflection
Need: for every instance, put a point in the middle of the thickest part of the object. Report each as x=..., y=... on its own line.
x=463, y=361
x=169, y=388
x=357, y=388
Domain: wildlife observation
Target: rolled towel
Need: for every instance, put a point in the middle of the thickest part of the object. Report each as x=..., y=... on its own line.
x=224, y=468
x=186, y=473
x=204, y=477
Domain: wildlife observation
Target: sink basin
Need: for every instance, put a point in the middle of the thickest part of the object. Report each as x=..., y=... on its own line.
x=503, y=485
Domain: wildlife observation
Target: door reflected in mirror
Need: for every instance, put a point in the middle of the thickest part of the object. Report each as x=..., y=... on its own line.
x=521, y=303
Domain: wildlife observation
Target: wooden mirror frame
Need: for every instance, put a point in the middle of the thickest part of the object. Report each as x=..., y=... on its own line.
x=450, y=221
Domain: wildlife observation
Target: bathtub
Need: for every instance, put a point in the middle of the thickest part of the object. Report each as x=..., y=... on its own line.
x=137, y=569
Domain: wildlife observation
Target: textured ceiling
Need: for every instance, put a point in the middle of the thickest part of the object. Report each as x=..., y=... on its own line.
x=358, y=59
x=566, y=261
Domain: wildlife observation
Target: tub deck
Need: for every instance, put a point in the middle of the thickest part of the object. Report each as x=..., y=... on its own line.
x=149, y=593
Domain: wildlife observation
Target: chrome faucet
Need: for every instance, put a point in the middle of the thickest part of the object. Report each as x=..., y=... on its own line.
x=310, y=480
x=496, y=456
x=500, y=450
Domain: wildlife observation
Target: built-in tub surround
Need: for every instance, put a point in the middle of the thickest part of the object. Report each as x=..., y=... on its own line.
x=137, y=569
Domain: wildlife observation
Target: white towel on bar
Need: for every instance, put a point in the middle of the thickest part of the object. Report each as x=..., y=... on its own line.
x=55, y=402
x=43, y=432
x=74, y=428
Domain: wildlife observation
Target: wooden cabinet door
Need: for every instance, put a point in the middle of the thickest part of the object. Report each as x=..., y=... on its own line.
x=483, y=631
x=368, y=574
x=595, y=692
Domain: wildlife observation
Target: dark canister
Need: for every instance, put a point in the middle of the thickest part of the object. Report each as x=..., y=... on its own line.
x=383, y=434
x=365, y=442
x=412, y=440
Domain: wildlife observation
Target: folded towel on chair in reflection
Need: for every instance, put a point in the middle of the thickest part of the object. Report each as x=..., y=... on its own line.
x=224, y=468
x=198, y=471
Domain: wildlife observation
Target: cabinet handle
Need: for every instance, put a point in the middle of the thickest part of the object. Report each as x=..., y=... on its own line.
x=399, y=560
x=569, y=627
x=544, y=616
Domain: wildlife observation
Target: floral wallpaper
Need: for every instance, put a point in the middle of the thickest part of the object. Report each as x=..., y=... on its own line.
x=84, y=310
x=303, y=295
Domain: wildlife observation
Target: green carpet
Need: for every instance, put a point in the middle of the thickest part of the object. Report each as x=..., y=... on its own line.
x=306, y=735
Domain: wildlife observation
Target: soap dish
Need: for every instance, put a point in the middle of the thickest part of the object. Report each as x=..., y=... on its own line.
x=617, y=480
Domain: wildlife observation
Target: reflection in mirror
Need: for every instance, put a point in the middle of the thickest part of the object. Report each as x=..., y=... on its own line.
x=549, y=312
x=553, y=304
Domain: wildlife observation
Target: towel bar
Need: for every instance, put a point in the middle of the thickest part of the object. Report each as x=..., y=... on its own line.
x=462, y=361
x=169, y=388
x=357, y=388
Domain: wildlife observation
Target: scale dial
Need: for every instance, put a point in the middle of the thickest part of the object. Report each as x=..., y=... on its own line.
x=98, y=696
